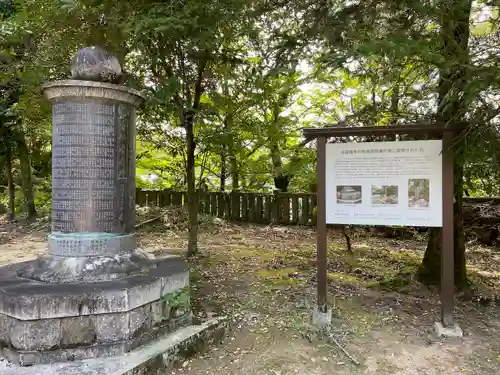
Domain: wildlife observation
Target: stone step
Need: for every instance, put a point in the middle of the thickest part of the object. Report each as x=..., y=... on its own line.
x=154, y=358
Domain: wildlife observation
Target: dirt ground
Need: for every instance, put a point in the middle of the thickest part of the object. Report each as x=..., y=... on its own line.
x=263, y=279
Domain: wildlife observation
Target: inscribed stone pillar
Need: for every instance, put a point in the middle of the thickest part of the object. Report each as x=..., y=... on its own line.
x=93, y=168
x=93, y=175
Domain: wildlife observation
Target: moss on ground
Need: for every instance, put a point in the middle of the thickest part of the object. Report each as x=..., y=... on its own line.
x=345, y=279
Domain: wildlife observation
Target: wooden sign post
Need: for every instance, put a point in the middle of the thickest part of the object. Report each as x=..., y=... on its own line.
x=446, y=325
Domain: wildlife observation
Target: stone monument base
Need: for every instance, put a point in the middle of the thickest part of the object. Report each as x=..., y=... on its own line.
x=157, y=357
x=43, y=323
x=54, y=269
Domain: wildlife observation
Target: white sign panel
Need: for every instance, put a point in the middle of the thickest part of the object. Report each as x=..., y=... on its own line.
x=384, y=183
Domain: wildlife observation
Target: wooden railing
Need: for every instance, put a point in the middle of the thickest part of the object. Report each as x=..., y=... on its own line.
x=280, y=208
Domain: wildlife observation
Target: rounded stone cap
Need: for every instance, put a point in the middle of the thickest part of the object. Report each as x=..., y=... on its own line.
x=95, y=64
x=89, y=89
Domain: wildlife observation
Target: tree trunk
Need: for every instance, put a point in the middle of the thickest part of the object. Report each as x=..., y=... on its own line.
x=430, y=269
x=281, y=180
x=10, y=183
x=192, y=199
x=223, y=170
x=455, y=33
x=395, y=96
x=231, y=152
x=27, y=181
x=281, y=183
x=235, y=177
x=188, y=117
x=225, y=147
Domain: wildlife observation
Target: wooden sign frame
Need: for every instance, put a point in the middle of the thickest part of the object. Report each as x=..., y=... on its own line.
x=321, y=135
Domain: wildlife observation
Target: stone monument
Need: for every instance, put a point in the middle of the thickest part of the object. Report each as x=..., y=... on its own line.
x=94, y=294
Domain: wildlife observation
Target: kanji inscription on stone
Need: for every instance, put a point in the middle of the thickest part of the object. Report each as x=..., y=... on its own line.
x=92, y=167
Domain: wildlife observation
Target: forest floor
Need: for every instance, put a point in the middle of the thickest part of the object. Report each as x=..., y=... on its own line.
x=263, y=279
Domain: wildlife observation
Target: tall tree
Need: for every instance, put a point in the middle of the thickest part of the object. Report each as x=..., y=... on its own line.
x=422, y=55
x=453, y=106
x=12, y=52
x=179, y=47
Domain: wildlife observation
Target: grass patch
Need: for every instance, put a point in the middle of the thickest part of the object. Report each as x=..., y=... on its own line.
x=278, y=273
x=345, y=279
x=251, y=252
x=288, y=276
x=336, y=246
x=359, y=320
x=195, y=276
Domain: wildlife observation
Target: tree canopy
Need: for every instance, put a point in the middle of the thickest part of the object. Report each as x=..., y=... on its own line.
x=231, y=83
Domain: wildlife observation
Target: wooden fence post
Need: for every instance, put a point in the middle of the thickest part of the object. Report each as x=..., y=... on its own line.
x=221, y=204
x=251, y=208
x=259, y=205
x=295, y=210
x=274, y=218
x=268, y=209
x=235, y=206
x=177, y=198
x=244, y=206
x=227, y=206
x=167, y=198
x=285, y=209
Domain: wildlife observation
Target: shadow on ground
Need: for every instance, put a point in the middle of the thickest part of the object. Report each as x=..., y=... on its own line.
x=263, y=278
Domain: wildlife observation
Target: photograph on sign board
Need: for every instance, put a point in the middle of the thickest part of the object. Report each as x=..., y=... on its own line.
x=418, y=193
x=349, y=194
x=385, y=194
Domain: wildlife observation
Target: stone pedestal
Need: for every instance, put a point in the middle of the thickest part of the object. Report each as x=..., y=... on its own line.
x=58, y=322
x=93, y=294
x=93, y=185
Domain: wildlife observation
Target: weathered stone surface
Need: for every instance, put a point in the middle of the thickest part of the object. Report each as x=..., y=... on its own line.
x=92, y=156
x=140, y=321
x=166, y=311
x=156, y=358
x=95, y=64
x=55, y=269
x=96, y=245
x=51, y=322
x=45, y=301
x=320, y=318
x=162, y=311
x=32, y=358
x=88, y=89
x=441, y=331
x=174, y=283
x=35, y=335
x=77, y=331
x=29, y=358
x=69, y=339
x=125, y=326
x=156, y=313
x=5, y=327
x=112, y=327
x=145, y=293
x=34, y=300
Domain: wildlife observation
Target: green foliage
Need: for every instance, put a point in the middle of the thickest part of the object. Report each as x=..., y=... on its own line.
x=249, y=75
x=179, y=299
